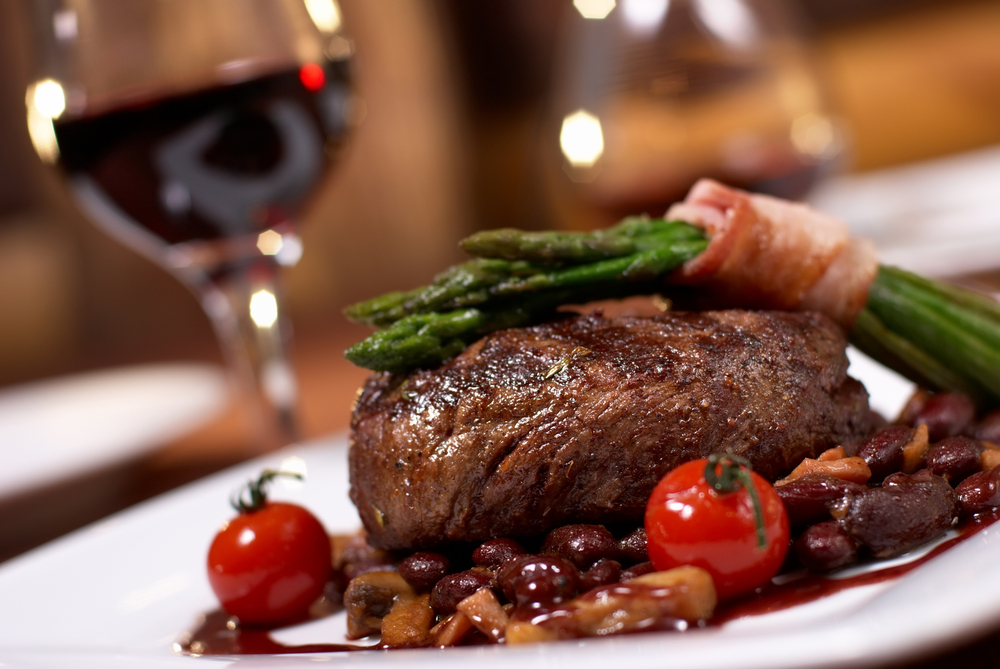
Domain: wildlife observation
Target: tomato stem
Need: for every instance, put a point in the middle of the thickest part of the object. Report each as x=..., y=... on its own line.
x=253, y=495
x=727, y=473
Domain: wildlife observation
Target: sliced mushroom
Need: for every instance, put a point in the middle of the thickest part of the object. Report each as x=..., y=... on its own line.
x=485, y=612
x=658, y=600
x=451, y=630
x=369, y=598
x=408, y=624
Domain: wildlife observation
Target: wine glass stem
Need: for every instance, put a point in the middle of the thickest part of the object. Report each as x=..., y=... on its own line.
x=245, y=307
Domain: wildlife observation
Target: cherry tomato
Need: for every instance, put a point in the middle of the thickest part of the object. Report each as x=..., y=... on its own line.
x=271, y=562
x=689, y=523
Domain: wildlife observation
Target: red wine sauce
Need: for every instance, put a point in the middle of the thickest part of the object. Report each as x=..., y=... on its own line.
x=216, y=636
x=811, y=587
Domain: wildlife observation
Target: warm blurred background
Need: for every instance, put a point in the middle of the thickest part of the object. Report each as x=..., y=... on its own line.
x=456, y=97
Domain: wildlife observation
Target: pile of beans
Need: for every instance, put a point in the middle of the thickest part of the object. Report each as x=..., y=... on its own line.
x=501, y=590
x=917, y=480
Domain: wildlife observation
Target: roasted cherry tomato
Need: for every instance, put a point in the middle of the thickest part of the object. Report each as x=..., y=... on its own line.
x=272, y=561
x=714, y=524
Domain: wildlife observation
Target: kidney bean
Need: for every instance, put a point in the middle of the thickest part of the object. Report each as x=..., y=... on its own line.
x=913, y=406
x=604, y=572
x=452, y=589
x=583, y=545
x=907, y=511
x=538, y=581
x=422, y=570
x=636, y=571
x=883, y=451
x=808, y=500
x=495, y=552
x=632, y=547
x=826, y=546
x=946, y=415
x=955, y=458
x=979, y=492
x=988, y=428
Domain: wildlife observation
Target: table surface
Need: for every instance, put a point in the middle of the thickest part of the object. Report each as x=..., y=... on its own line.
x=328, y=384
x=861, y=75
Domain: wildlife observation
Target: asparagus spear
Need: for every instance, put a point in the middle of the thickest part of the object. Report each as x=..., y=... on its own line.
x=420, y=340
x=633, y=235
x=461, y=286
x=427, y=325
x=513, y=262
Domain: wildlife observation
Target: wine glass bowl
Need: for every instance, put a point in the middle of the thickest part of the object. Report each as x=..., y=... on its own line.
x=659, y=93
x=194, y=131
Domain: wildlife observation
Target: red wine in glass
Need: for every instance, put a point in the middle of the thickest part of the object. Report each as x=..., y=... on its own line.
x=225, y=162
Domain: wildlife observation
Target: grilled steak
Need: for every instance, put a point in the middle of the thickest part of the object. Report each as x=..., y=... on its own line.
x=574, y=421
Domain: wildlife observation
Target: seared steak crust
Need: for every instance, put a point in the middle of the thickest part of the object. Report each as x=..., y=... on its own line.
x=576, y=420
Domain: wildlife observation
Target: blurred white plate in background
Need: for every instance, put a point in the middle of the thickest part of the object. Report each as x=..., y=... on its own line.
x=887, y=390
x=938, y=217
x=56, y=429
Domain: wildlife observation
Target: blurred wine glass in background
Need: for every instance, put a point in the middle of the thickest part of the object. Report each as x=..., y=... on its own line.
x=194, y=131
x=651, y=95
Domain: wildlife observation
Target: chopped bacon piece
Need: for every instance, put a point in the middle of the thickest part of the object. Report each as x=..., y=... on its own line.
x=767, y=253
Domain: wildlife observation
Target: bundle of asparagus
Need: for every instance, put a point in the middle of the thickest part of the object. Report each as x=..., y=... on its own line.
x=940, y=336
x=518, y=278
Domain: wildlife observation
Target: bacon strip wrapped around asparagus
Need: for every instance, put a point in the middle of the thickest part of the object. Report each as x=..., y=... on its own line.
x=767, y=253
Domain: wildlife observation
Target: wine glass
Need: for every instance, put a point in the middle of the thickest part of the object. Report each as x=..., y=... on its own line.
x=193, y=131
x=651, y=95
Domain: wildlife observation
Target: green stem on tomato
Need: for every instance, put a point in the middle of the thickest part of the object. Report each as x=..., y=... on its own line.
x=726, y=473
x=256, y=491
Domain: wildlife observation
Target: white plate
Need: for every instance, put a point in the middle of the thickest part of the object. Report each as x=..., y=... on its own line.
x=118, y=594
x=53, y=430
x=937, y=217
